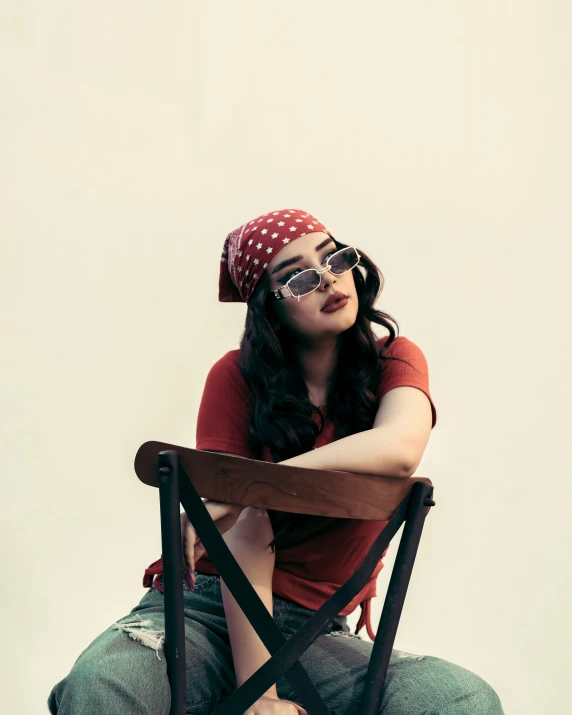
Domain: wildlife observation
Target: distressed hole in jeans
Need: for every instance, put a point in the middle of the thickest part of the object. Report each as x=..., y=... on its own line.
x=140, y=631
x=344, y=634
x=404, y=654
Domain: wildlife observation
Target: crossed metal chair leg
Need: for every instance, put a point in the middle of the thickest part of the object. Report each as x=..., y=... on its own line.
x=176, y=488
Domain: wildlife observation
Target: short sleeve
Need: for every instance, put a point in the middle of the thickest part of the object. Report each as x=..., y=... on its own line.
x=414, y=373
x=224, y=412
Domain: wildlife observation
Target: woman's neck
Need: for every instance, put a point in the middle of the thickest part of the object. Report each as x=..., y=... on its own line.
x=317, y=364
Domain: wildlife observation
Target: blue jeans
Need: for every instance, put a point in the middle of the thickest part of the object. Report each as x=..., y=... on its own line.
x=123, y=671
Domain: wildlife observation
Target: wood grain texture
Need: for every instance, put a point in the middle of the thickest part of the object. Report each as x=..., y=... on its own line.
x=279, y=487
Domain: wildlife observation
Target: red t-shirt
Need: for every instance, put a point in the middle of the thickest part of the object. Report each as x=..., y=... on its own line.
x=309, y=573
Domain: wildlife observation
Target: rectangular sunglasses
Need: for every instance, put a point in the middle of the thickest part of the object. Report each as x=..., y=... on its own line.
x=309, y=279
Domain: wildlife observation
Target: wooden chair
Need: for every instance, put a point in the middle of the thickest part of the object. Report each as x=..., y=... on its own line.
x=185, y=475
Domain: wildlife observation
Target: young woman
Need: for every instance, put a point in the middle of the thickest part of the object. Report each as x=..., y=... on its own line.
x=310, y=386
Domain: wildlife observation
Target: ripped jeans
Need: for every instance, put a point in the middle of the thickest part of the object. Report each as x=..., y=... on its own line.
x=123, y=671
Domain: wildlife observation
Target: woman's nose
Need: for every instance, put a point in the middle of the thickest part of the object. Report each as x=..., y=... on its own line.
x=328, y=278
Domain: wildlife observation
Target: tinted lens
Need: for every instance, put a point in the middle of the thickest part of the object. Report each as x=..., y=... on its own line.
x=304, y=282
x=344, y=261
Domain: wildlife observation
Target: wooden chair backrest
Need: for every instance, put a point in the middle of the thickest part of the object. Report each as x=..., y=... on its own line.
x=249, y=482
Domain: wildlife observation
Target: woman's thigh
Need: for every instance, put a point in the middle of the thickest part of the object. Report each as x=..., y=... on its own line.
x=415, y=684
x=123, y=671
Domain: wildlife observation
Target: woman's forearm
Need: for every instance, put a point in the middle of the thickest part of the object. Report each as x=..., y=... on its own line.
x=247, y=540
x=374, y=451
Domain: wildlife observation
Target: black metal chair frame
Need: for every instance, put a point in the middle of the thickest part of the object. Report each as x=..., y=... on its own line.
x=175, y=488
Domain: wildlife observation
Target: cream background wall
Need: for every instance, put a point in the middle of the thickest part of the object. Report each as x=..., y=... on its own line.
x=135, y=136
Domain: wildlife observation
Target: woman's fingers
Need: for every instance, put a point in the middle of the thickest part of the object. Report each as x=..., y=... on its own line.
x=188, y=537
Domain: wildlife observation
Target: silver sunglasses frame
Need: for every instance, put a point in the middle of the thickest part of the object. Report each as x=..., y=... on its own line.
x=278, y=295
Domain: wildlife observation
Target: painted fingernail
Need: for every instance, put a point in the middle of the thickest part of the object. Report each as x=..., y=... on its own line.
x=191, y=578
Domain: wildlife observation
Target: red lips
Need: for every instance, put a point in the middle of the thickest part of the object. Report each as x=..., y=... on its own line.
x=333, y=298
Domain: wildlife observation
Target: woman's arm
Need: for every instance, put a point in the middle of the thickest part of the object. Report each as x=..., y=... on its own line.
x=392, y=448
x=248, y=541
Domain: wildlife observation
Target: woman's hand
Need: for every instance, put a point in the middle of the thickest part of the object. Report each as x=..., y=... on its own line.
x=267, y=705
x=224, y=516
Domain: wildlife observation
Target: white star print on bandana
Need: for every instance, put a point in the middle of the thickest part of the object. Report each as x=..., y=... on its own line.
x=236, y=283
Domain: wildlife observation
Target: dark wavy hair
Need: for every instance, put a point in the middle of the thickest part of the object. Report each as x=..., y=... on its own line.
x=281, y=417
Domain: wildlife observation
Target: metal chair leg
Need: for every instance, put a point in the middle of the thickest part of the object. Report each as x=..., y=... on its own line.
x=394, y=599
x=168, y=470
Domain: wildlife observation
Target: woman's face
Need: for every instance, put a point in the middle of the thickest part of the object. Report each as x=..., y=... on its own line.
x=305, y=317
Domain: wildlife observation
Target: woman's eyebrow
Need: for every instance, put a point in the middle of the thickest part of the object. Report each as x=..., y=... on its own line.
x=295, y=259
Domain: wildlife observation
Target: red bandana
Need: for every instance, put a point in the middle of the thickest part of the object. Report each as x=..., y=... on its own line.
x=250, y=248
